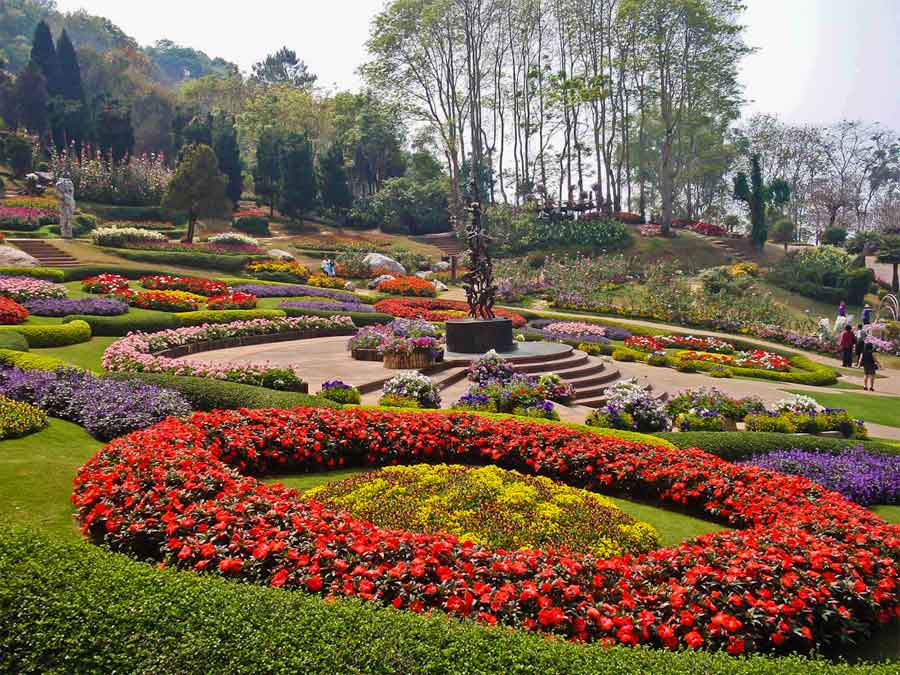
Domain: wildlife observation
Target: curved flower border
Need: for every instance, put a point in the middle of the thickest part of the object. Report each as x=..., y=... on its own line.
x=138, y=352
x=807, y=567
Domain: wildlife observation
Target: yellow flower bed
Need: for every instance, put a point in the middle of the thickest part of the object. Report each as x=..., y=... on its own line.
x=490, y=506
x=19, y=419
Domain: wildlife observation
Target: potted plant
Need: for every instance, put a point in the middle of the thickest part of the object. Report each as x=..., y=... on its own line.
x=408, y=353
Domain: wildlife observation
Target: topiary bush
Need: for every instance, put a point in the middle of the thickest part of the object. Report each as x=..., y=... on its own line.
x=209, y=261
x=734, y=445
x=26, y=361
x=256, y=226
x=46, y=273
x=119, y=326
x=14, y=341
x=53, y=335
x=207, y=394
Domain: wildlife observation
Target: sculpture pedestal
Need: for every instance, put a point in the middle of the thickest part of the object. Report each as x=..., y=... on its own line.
x=477, y=336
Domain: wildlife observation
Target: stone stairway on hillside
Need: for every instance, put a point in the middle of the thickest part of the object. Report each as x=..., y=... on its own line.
x=46, y=253
x=725, y=246
x=448, y=243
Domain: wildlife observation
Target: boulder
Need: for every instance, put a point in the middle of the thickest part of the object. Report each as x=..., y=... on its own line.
x=279, y=254
x=440, y=287
x=377, y=261
x=13, y=257
x=377, y=280
x=442, y=266
x=349, y=286
x=425, y=275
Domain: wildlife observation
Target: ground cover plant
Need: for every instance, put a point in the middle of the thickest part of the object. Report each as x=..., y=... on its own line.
x=22, y=289
x=798, y=547
x=67, y=307
x=489, y=506
x=18, y=418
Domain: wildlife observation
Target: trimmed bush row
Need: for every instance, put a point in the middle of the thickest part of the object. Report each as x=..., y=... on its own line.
x=360, y=319
x=207, y=394
x=83, y=272
x=45, y=273
x=13, y=341
x=52, y=335
x=733, y=445
x=227, y=316
x=70, y=607
x=27, y=361
x=209, y=261
x=134, y=213
x=119, y=326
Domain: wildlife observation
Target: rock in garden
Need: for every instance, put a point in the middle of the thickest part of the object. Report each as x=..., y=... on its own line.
x=279, y=254
x=13, y=257
x=377, y=261
x=377, y=280
x=442, y=266
x=425, y=275
x=440, y=287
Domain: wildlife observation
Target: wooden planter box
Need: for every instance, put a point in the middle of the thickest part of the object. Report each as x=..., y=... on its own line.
x=415, y=361
x=366, y=355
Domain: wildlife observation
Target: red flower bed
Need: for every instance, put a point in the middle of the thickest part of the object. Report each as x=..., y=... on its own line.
x=436, y=310
x=234, y=300
x=708, y=229
x=804, y=568
x=629, y=218
x=408, y=286
x=11, y=312
x=104, y=283
x=206, y=287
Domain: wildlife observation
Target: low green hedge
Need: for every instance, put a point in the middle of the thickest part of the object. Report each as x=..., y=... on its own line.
x=208, y=261
x=227, y=316
x=31, y=361
x=13, y=341
x=118, y=326
x=52, y=335
x=84, y=271
x=76, y=608
x=732, y=445
x=360, y=319
x=133, y=213
x=208, y=394
x=45, y=273
x=811, y=373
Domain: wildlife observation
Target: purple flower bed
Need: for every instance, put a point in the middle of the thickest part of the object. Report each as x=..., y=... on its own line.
x=92, y=306
x=107, y=409
x=325, y=305
x=294, y=291
x=861, y=476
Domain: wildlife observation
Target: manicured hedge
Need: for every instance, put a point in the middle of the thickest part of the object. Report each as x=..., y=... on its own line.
x=119, y=326
x=52, y=335
x=207, y=394
x=226, y=316
x=209, y=261
x=72, y=607
x=13, y=341
x=359, y=318
x=732, y=445
x=134, y=213
x=45, y=273
x=31, y=361
x=84, y=271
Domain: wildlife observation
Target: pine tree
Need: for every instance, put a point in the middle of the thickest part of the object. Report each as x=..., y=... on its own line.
x=115, y=133
x=336, y=192
x=69, y=70
x=267, y=172
x=298, y=177
x=43, y=53
x=228, y=151
x=198, y=188
x=31, y=94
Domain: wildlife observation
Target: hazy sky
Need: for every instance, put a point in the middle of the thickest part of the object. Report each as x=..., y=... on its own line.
x=817, y=61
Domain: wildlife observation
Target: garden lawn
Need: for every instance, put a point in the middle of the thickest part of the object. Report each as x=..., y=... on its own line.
x=86, y=355
x=869, y=407
x=36, y=475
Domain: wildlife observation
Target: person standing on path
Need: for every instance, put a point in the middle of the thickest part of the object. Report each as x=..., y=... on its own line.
x=860, y=340
x=842, y=309
x=870, y=366
x=867, y=314
x=846, y=343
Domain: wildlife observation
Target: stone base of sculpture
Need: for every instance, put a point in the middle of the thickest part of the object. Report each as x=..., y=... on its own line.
x=477, y=336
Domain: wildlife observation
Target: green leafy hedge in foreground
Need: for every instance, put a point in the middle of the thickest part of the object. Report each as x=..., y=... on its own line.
x=52, y=335
x=74, y=608
x=733, y=445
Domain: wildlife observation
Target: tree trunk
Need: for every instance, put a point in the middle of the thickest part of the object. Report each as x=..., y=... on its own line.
x=192, y=224
x=895, y=285
x=666, y=186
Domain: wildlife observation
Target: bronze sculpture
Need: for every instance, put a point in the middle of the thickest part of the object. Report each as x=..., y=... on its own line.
x=479, y=281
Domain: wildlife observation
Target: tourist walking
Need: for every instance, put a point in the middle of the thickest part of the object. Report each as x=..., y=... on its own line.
x=870, y=366
x=846, y=343
x=867, y=314
x=860, y=341
x=842, y=309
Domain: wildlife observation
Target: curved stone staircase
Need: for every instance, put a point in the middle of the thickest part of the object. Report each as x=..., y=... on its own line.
x=45, y=252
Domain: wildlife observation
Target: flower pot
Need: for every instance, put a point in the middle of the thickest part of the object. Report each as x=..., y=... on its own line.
x=413, y=361
x=366, y=354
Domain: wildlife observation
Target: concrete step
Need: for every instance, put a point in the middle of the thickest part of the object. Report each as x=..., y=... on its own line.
x=591, y=368
x=46, y=253
x=573, y=360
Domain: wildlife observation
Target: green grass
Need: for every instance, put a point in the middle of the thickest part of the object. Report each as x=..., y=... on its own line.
x=36, y=475
x=85, y=355
x=869, y=407
x=889, y=513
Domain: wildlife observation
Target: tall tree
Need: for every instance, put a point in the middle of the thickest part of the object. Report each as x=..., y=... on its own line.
x=197, y=188
x=267, y=172
x=283, y=67
x=298, y=177
x=889, y=253
x=43, y=53
x=758, y=196
x=336, y=194
x=71, y=87
x=225, y=144
x=31, y=95
x=114, y=132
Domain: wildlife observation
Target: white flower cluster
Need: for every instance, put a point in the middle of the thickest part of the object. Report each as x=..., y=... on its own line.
x=121, y=236
x=233, y=238
x=799, y=405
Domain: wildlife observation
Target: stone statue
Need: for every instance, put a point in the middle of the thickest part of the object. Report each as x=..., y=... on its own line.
x=66, y=191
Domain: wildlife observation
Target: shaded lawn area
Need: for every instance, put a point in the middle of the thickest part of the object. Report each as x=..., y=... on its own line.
x=869, y=407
